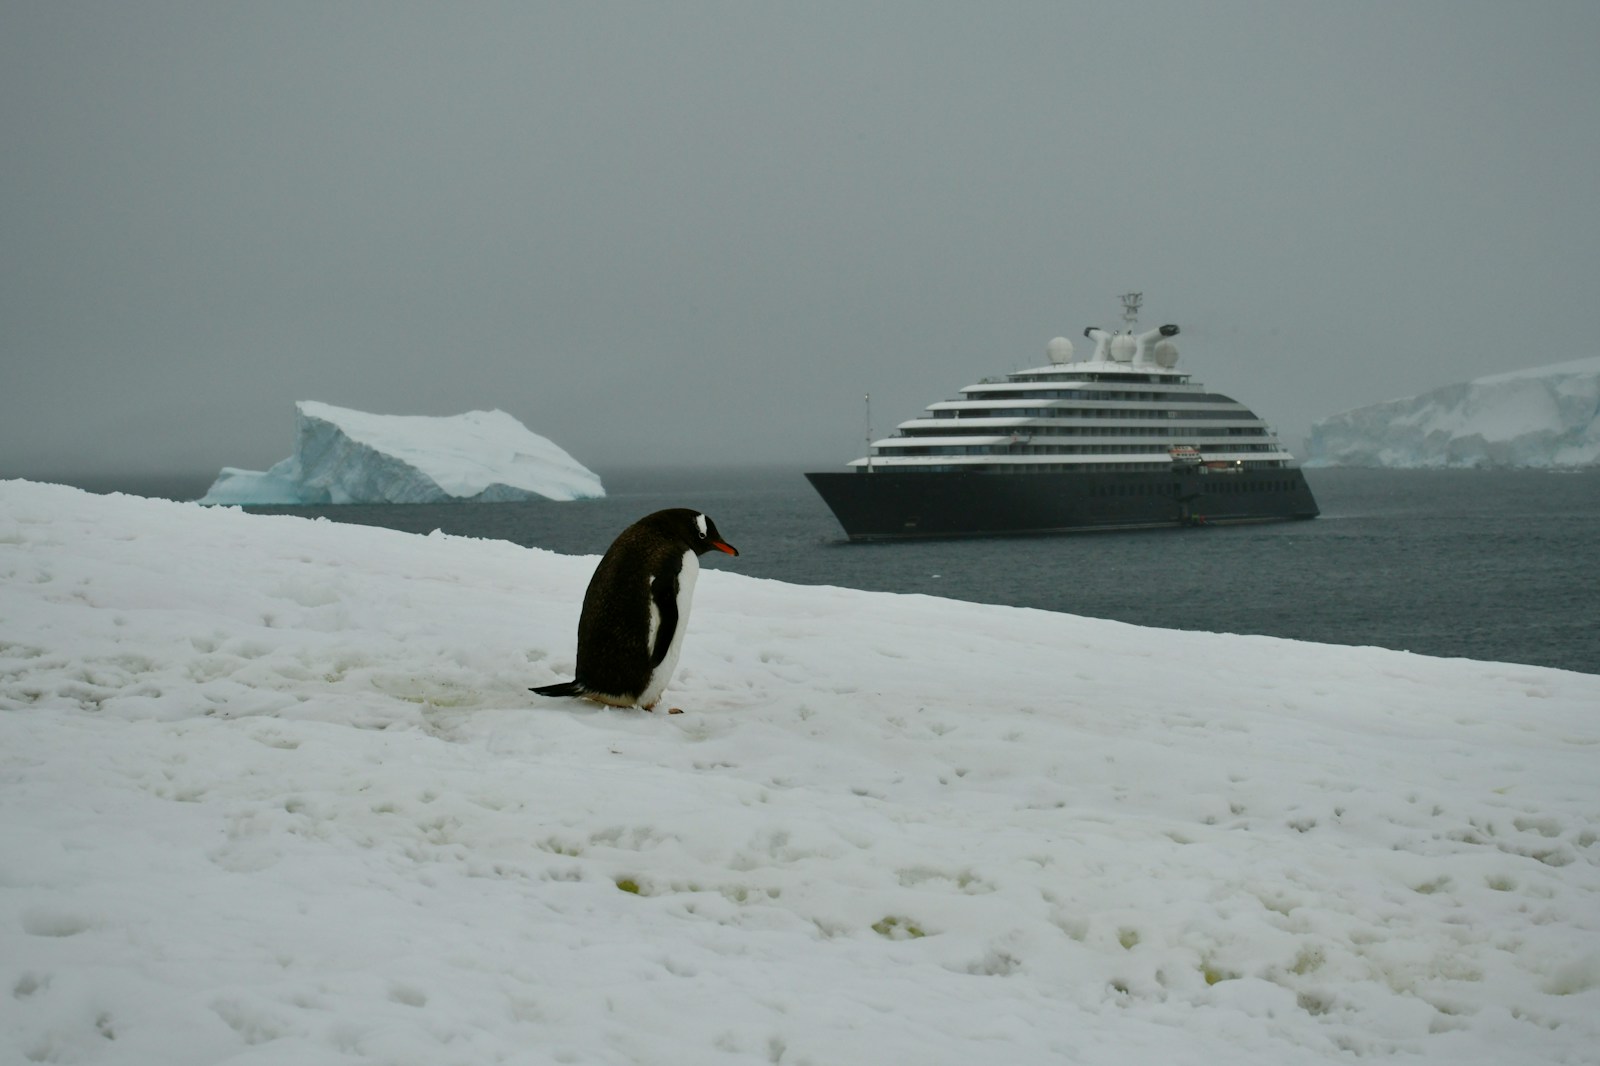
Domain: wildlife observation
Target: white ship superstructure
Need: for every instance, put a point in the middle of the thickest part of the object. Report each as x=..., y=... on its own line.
x=1125, y=408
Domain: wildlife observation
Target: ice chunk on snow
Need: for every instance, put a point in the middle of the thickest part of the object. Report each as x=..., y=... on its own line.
x=345, y=456
x=1541, y=417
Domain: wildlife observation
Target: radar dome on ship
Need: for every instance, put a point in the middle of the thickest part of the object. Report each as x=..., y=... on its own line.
x=1060, y=350
x=1150, y=346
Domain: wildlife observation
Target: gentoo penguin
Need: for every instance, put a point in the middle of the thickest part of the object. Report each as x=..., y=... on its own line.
x=637, y=607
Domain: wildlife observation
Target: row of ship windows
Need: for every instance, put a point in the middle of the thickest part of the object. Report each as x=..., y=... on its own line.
x=1081, y=468
x=1119, y=378
x=1147, y=395
x=1050, y=449
x=1214, y=486
x=1093, y=431
x=957, y=414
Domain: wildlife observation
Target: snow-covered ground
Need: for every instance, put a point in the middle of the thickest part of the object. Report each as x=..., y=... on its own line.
x=273, y=791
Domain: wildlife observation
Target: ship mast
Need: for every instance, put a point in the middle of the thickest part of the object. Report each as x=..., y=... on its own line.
x=1130, y=307
x=868, y=399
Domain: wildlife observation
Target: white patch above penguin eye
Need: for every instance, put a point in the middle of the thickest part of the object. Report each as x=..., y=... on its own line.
x=700, y=524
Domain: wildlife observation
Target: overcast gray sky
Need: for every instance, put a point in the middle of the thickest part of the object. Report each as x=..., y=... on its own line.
x=682, y=233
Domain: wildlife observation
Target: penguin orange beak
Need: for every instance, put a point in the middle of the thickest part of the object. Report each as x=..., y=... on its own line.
x=721, y=547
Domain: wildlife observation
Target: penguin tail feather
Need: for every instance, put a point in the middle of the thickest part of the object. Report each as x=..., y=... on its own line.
x=565, y=688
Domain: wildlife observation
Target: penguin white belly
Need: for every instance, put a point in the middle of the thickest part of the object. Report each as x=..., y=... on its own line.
x=663, y=673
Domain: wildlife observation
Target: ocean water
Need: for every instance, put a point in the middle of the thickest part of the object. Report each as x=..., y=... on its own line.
x=1496, y=565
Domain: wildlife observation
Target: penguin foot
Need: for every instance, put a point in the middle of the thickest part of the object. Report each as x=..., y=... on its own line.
x=578, y=690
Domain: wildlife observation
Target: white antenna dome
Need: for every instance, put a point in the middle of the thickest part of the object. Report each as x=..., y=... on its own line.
x=1166, y=354
x=1060, y=350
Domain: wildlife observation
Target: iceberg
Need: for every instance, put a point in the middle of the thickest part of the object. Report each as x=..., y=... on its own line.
x=344, y=456
x=1544, y=417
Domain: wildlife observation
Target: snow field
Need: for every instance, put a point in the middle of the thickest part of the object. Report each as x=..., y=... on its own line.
x=273, y=791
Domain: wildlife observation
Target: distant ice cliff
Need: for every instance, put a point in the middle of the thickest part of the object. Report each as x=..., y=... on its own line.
x=343, y=456
x=1544, y=417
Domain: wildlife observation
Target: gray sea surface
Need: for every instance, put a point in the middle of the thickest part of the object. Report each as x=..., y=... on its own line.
x=1492, y=565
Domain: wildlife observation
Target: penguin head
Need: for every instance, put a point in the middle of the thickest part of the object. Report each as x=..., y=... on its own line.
x=691, y=527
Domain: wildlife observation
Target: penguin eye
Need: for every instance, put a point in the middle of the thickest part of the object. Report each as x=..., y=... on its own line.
x=700, y=524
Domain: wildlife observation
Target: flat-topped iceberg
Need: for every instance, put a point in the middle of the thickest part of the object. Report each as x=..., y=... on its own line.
x=344, y=456
x=1542, y=417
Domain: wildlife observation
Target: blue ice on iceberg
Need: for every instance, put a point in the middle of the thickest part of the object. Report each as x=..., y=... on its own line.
x=344, y=456
x=1543, y=417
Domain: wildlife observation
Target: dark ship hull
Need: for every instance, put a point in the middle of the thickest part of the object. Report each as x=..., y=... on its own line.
x=900, y=504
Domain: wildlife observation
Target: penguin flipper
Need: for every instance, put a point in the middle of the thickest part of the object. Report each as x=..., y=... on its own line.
x=664, y=594
x=565, y=688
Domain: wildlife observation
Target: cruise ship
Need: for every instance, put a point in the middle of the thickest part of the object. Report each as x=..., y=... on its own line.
x=1119, y=440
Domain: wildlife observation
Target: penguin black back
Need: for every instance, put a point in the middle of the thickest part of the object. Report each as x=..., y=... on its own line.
x=634, y=609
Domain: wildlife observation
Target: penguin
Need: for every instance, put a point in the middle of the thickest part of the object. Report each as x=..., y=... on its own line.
x=636, y=609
